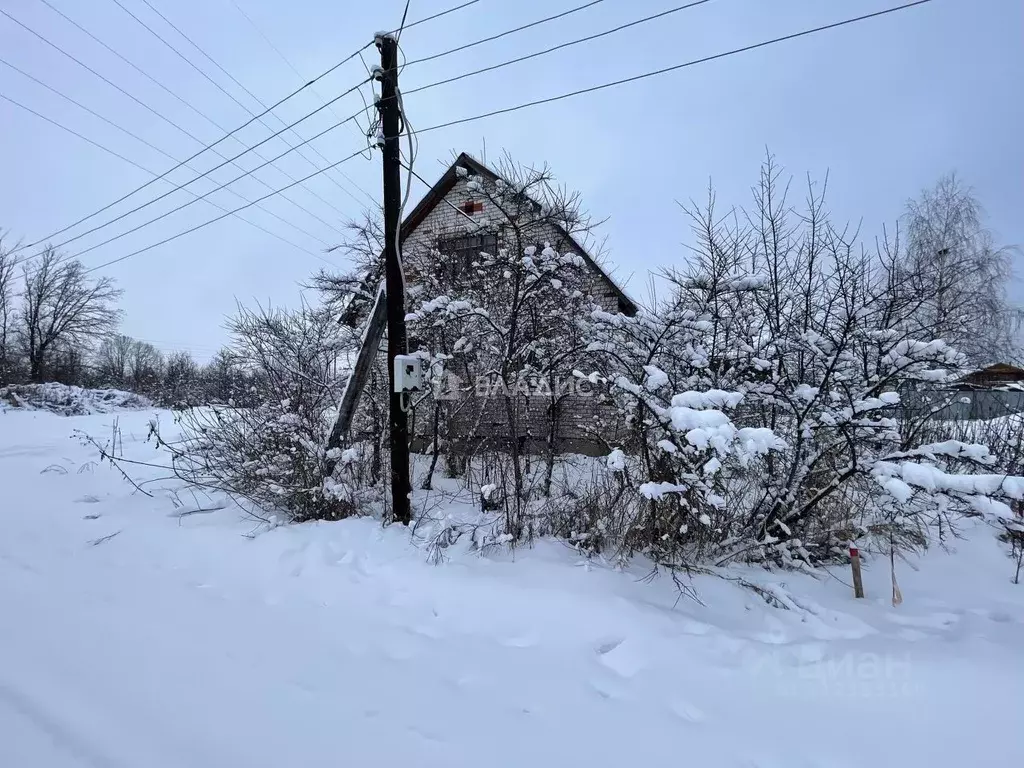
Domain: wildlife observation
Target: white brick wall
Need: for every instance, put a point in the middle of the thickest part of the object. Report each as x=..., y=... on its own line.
x=445, y=221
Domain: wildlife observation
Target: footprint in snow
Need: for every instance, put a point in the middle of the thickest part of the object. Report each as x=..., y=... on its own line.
x=609, y=645
x=684, y=710
x=1000, y=617
x=346, y=558
x=809, y=654
x=401, y=648
x=88, y=499
x=696, y=628
x=772, y=637
x=527, y=640
x=933, y=621
x=913, y=635
x=607, y=689
x=426, y=630
x=621, y=657
x=425, y=735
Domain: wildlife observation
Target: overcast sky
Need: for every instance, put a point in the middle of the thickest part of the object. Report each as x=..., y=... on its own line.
x=885, y=107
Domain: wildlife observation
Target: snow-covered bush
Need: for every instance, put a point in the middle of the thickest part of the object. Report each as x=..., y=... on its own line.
x=272, y=452
x=779, y=398
x=1004, y=436
x=69, y=400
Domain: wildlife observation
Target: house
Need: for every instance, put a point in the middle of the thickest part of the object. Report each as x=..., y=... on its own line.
x=448, y=229
x=997, y=376
x=452, y=213
x=987, y=393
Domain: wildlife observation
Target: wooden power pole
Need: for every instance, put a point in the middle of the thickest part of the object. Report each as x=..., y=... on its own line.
x=394, y=282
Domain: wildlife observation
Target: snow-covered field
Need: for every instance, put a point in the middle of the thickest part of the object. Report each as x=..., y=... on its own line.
x=131, y=636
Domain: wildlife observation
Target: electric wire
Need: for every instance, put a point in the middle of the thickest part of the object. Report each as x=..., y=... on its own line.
x=146, y=106
x=405, y=15
x=437, y=15
x=162, y=117
x=445, y=200
x=144, y=73
x=142, y=168
x=231, y=96
x=205, y=174
x=288, y=62
x=222, y=216
x=203, y=196
x=138, y=138
x=560, y=46
x=227, y=93
x=675, y=67
x=506, y=33
x=272, y=107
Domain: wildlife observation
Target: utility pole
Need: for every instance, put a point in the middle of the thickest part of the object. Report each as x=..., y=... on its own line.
x=394, y=282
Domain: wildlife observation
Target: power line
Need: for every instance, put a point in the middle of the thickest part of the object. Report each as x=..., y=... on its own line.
x=506, y=33
x=560, y=46
x=405, y=15
x=255, y=98
x=223, y=216
x=313, y=91
x=438, y=15
x=143, y=72
x=444, y=199
x=146, y=170
x=191, y=181
x=141, y=140
x=272, y=107
x=203, y=196
x=675, y=67
x=204, y=175
x=155, y=112
x=223, y=90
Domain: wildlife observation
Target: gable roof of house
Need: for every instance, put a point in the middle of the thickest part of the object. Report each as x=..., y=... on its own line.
x=437, y=193
x=1002, y=368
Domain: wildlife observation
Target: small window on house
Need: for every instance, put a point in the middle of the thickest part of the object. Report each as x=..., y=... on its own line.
x=472, y=206
x=459, y=253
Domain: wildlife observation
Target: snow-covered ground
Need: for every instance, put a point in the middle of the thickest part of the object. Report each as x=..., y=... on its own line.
x=133, y=636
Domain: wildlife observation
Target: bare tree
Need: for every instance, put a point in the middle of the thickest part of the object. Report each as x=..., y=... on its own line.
x=351, y=294
x=63, y=307
x=952, y=261
x=181, y=379
x=112, y=359
x=6, y=313
x=146, y=366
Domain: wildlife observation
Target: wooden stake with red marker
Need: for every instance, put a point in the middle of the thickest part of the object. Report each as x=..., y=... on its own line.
x=858, y=582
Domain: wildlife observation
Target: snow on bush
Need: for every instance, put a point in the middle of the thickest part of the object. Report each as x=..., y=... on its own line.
x=779, y=398
x=70, y=400
x=272, y=452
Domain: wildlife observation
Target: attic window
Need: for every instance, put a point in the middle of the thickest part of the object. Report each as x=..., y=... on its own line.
x=472, y=206
x=459, y=253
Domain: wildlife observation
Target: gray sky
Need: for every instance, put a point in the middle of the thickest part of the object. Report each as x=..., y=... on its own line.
x=885, y=107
